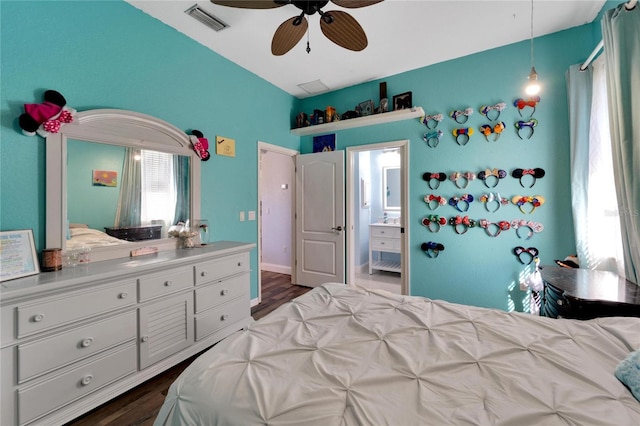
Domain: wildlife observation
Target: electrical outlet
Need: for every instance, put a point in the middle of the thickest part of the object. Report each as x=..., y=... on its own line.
x=241, y=216
x=252, y=215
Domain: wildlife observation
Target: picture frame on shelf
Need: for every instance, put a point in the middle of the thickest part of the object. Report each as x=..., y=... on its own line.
x=324, y=143
x=402, y=101
x=18, y=256
x=366, y=108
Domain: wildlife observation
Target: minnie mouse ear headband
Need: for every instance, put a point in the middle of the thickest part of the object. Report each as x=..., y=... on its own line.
x=434, y=201
x=46, y=117
x=531, y=123
x=462, y=135
x=461, y=224
x=490, y=198
x=496, y=129
x=200, y=144
x=526, y=255
x=534, y=173
x=484, y=176
x=492, y=112
x=535, y=201
x=433, y=138
x=533, y=227
x=432, y=249
x=465, y=199
x=434, y=222
x=431, y=121
x=461, y=116
x=466, y=177
x=434, y=177
x=521, y=104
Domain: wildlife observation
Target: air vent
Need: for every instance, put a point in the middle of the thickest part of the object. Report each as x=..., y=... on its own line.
x=206, y=18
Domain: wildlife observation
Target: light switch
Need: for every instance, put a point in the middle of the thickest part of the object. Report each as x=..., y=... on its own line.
x=241, y=216
x=252, y=215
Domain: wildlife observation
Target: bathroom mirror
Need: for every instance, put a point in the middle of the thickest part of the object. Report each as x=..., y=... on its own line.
x=94, y=147
x=391, y=188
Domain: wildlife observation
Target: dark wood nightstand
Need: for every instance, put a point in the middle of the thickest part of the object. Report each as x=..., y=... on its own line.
x=136, y=233
x=586, y=294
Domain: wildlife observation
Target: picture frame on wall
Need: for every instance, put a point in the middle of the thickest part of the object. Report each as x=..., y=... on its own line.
x=324, y=143
x=402, y=101
x=18, y=256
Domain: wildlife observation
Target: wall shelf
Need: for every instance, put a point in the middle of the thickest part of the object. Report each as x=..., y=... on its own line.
x=369, y=120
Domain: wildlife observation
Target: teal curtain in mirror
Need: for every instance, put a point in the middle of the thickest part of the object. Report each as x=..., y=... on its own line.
x=621, y=36
x=130, y=199
x=183, y=188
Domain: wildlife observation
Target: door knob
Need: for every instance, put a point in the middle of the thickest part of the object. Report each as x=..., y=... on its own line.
x=337, y=228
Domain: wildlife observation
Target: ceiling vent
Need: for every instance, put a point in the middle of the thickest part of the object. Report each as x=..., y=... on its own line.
x=206, y=18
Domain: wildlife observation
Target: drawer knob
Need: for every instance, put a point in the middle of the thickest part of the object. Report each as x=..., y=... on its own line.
x=86, y=342
x=203, y=273
x=224, y=317
x=123, y=295
x=167, y=283
x=239, y=264
x=381, y=243
x=38, y=317
x=86, y=379
x=224, y=292
x=559, y=302
x=145, y=338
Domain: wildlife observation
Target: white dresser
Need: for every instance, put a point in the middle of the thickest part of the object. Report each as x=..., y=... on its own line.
x=383, y=238
x=74, y=339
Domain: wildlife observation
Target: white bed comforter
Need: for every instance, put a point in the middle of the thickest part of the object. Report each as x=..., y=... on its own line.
x=83, y=238
x=342, y=356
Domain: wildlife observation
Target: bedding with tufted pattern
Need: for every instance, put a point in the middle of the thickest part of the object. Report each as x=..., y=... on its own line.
x=344, y=356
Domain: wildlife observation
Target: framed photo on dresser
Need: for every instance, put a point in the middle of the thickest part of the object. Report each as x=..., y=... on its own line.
x=18, y=256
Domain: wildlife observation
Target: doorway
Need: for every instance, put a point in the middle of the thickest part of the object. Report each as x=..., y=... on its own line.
x=276, y=212
x=377, y=211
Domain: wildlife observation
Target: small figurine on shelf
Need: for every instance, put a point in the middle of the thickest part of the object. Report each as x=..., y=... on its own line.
x=302, y=120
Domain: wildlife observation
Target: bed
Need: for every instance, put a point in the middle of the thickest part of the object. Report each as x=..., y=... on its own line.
x=344, y=356
x=88, y=238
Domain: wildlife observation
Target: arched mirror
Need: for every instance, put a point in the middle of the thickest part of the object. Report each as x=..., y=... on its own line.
x=116, y=180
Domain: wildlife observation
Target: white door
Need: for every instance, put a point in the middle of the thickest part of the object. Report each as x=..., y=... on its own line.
x=320, y=218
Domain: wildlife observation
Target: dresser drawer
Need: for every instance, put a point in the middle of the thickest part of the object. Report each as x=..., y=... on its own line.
x=56, y=351
x=150, y=286
x=218, y=318
x=223, y=267
x=44, y=397
x=217, y=294
x=43, y=316
x=385, y=231
x=385, y=244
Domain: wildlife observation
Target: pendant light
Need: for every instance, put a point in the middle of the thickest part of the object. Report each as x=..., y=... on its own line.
x=533, y=87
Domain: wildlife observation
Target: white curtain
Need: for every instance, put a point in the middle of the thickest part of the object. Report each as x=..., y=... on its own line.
x=594, y=201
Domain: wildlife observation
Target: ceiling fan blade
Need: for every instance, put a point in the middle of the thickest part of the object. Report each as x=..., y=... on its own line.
x=344, y=30
x=250, y=4
x=288, y=35
x=352, y=4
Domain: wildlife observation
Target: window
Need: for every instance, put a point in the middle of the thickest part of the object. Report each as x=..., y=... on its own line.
x=158, y=199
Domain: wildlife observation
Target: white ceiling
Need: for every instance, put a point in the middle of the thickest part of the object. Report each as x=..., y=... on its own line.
x=403, y=35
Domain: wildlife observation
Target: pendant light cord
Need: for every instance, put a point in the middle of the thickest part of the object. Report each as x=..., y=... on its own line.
x=531, y=39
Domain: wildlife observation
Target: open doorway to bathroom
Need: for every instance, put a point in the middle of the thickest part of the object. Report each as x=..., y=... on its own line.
x=377, y=227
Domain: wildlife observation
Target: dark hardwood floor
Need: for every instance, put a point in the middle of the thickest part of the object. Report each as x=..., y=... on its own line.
x=140, y=405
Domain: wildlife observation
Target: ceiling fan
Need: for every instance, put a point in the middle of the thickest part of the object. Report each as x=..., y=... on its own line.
x=338, y=26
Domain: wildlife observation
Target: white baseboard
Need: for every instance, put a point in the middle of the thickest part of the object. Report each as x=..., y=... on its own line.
x=280, y=269
x=254, y=302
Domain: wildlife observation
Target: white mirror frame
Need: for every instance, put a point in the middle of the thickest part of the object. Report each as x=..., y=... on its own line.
x=114, y=127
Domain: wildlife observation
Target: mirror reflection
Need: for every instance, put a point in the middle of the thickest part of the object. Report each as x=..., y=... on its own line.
x=391, y=188
x=117, y=194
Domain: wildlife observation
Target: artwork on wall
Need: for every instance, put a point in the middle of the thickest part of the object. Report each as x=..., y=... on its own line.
x=105, y=178
x=324, y=143
x=225, y=146
x=402, y=101
x=17, y=254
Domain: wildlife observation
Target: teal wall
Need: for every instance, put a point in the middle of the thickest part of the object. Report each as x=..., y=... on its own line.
x=93, y=205
x=111, y=55
x=474, y=268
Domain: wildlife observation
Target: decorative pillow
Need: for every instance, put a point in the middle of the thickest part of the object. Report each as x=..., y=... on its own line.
x=628, y=372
